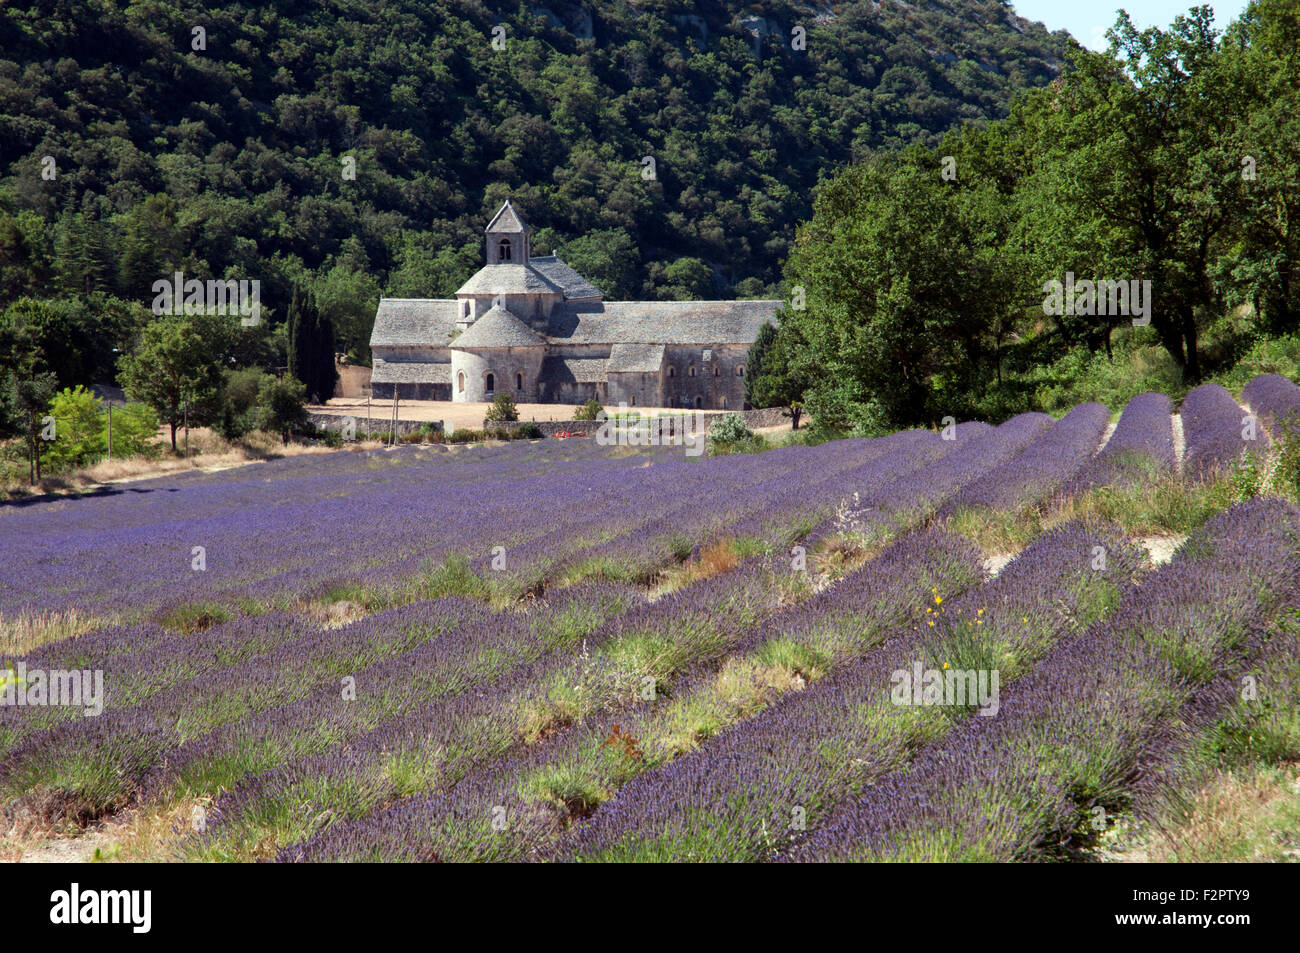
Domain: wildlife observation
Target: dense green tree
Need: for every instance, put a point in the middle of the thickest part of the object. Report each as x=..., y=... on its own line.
x=311, y=346
x=176, y=369
x=280, y=405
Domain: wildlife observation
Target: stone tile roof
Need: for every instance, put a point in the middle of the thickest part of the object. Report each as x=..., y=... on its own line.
x=410, y=372
x=660, y=322
x=569, y=281
x=498, y=328
x=643, y=358
x=507, y=220
x=508, y=279
x=572, y=370
x=414, y=322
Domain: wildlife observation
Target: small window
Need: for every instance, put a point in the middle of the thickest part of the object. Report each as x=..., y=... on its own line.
x=740, y=370
x=519, y=382
x=503, y=250
x=672, y=371
x=460, y=382
x=691, y=372
x=631, y=401
x=716, y=372
x=699, y=401
x=491, y=383
x=723, y=402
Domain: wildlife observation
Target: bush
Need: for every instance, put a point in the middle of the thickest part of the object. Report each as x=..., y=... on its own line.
x=526, y=432
x=239, y=405
x=466, y=436
x=730, y=429
x=588, y=411
x=135, y=431
x=503, y=410
x=281, y=405
x=79, y=428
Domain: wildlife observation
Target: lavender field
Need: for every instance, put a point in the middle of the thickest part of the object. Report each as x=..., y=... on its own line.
x=1010, y=643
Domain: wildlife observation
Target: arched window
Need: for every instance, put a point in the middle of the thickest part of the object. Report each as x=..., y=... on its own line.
x=740, y=370
x=723, y=400
x=464, y=309
x=716, y=372
x=491, y=383
x=631, y=401
x=699, y=401
x=503, y=250
x=460, y=382
x=672, y=371
x=691, y=371
x=519, y=382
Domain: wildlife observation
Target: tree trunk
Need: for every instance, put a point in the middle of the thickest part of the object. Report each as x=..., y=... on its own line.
x=173, y=424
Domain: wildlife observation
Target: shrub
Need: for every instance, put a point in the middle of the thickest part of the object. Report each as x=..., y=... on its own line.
x=730, y=429
x=281, y=405
x=465, y=436
x=79, y=425
x=528, y=431
x=135, y=431
x=503, y=410
x=588, y=411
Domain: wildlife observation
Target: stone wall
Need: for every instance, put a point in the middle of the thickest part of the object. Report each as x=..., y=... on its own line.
x=377, y=424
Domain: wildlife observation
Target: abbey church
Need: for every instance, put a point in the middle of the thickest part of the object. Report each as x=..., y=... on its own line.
x=534, y=328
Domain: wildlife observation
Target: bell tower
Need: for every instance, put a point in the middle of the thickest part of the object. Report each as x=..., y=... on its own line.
x=507, y=238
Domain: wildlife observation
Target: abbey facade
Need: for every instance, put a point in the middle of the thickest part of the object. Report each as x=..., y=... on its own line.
x=533, y=327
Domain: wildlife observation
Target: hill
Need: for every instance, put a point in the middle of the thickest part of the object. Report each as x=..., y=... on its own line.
x=215, y=137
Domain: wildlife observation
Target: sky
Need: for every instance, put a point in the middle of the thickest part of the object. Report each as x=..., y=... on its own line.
x=1087, y=20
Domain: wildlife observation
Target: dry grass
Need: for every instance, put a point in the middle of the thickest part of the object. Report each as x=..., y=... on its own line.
x=1236, y=817
x=149, y=834
x=720, y=556
x=29, y=631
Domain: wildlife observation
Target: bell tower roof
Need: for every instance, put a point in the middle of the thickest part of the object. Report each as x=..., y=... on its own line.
x=507, y=221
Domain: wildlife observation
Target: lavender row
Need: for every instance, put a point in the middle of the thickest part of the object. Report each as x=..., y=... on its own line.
x=422, y=510
x=1276, y=400
x=841, y=622
x=410, y=744
x=1141, y=447
x=766, y=783
x=1070, y=736
x=100, y=760
x=1043, y=466
x=1216, y=431
x=882, y=512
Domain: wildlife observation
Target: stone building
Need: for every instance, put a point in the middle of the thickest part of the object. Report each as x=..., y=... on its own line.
x=533, y=327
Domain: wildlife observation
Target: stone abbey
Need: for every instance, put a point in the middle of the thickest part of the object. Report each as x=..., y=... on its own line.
x=534, y=328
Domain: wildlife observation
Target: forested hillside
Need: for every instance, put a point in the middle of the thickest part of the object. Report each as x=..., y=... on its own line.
x=216, y=137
